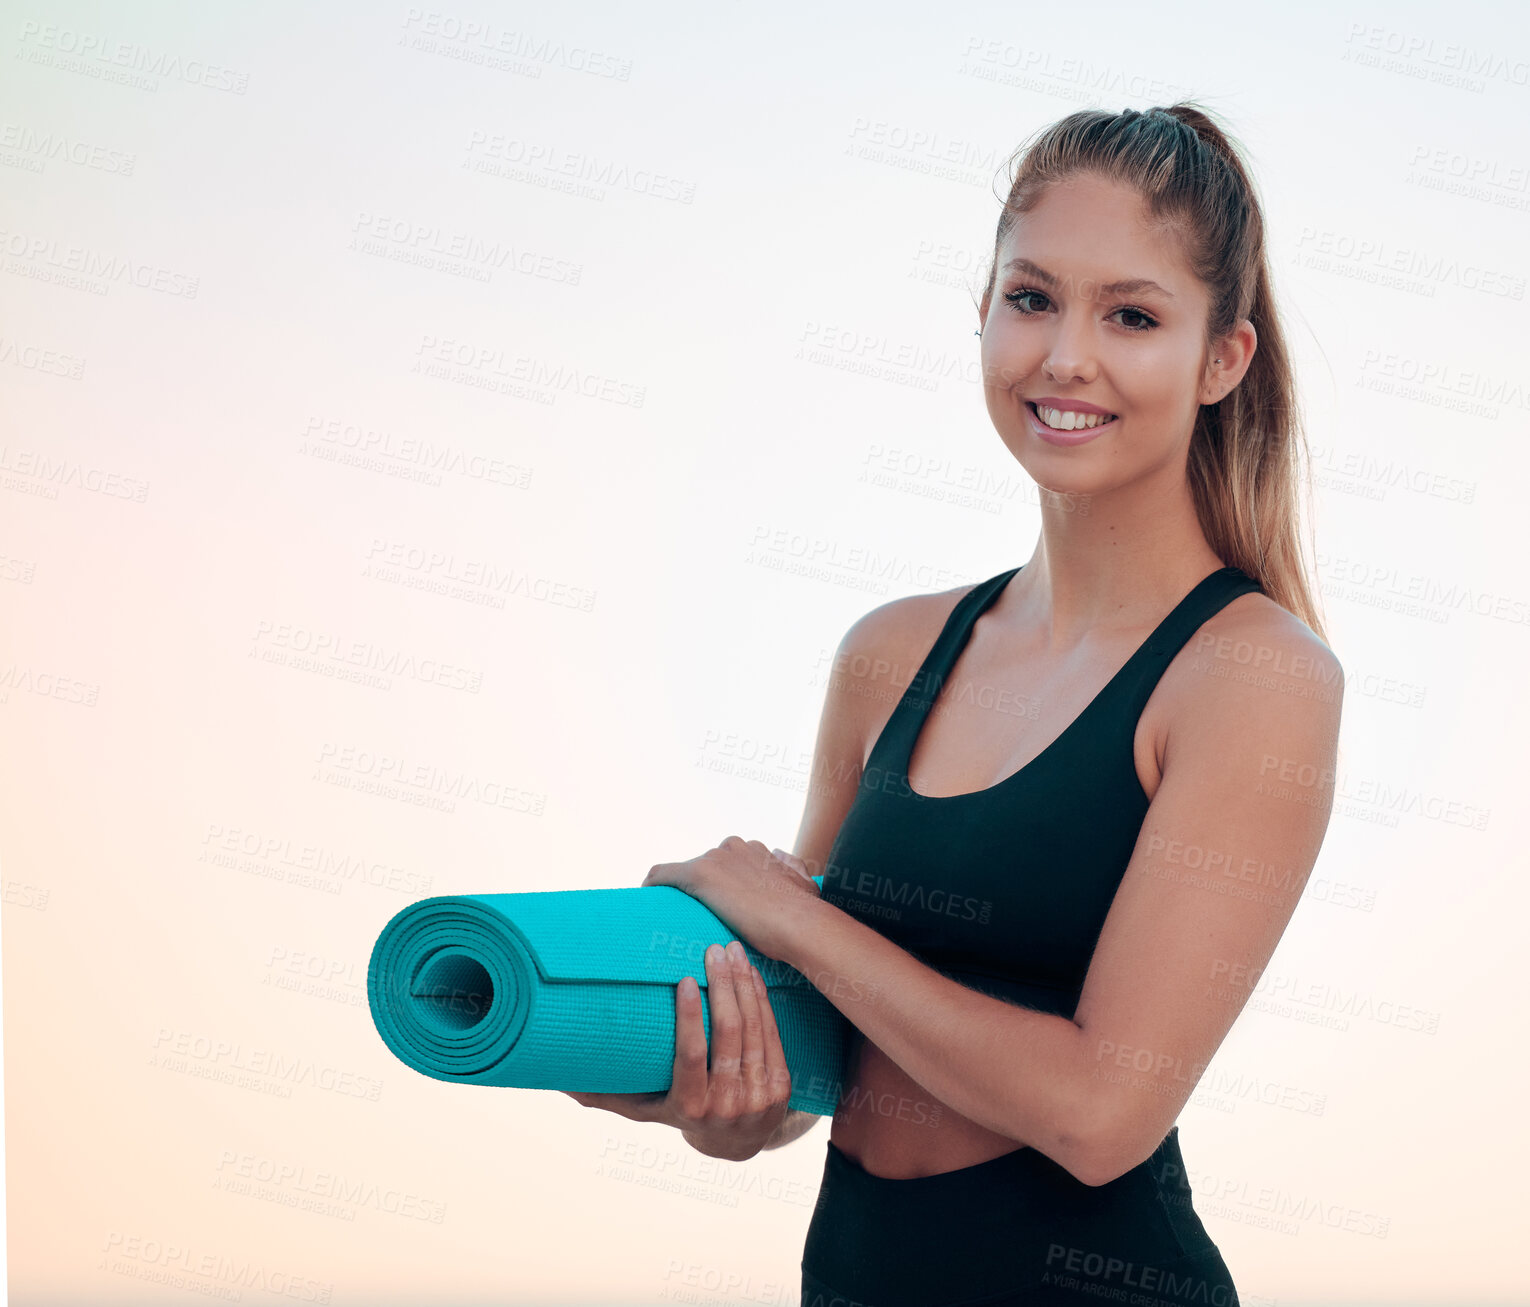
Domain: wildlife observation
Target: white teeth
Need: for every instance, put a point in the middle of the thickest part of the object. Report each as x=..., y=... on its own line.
x=1066, y=420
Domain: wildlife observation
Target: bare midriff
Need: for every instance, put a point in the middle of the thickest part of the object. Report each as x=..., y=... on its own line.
x=891, y=1127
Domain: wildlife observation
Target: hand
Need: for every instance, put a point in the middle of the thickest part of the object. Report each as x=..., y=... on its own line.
x=731, y=1110
x=797, y=865
x=757, y=893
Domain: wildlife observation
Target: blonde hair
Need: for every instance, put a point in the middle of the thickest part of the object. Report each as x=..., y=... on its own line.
x=1248, y=452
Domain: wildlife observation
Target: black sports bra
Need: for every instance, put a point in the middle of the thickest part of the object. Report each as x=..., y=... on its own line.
x=1006, y=889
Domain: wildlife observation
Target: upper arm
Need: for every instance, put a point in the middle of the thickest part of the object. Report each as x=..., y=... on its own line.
x=872, y=666
x=1226, y=846
x=837, y=754
x=836, y=770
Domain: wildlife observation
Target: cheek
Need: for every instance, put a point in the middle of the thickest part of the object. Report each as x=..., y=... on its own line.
x=1006, y=361
x=1152, y=380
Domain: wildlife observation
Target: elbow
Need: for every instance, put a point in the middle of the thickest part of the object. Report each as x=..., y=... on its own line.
x=1104, y=1145
x=1097, y=1162
x=1098, y=1133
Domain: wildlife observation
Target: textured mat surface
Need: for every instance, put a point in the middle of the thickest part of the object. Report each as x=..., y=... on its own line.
x=574, y=989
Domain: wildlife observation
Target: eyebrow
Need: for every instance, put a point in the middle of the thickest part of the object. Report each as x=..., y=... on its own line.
x=1128, y=286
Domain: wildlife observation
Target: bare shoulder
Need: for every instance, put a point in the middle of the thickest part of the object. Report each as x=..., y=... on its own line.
x=1249, y=666
x=883, y=648
x=905, y=625
x=876, y=659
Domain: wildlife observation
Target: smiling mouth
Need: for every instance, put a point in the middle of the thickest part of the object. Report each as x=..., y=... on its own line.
x=1060, y=419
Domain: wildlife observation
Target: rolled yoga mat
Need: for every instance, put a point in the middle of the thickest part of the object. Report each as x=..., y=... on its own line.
x=575, y=989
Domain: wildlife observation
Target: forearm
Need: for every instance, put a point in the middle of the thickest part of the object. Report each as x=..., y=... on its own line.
x=1021, y=1073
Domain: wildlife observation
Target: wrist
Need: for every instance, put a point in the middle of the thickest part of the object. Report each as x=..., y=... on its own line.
x=802, y=922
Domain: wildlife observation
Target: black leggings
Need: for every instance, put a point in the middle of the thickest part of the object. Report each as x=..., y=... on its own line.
x=1016, y=1229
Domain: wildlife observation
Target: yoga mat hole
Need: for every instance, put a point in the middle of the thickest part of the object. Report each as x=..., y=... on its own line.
x=453, y=992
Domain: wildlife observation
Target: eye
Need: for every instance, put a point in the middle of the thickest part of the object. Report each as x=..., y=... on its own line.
x=1015, y=296
x=1144, y=321
x=1137, y=313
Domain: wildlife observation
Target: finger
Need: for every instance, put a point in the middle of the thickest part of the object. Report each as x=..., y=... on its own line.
x=778, y=1076
x=688, y=1077
x=752, y=1055
x=722, y=1003
x=621, y=1104
x=794, y=862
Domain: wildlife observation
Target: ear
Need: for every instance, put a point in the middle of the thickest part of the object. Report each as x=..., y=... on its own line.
x=1229, y=361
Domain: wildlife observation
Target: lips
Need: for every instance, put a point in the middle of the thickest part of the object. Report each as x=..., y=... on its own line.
x=1069, y=405
x=1058, y=413
x=1065, y=439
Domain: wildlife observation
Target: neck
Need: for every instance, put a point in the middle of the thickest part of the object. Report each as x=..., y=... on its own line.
x=1119, y=560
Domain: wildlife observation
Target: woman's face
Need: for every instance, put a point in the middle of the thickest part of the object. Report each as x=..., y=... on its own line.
x=1057, y=328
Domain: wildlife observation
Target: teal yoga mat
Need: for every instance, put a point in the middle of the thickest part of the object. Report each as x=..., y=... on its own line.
x=574, y=989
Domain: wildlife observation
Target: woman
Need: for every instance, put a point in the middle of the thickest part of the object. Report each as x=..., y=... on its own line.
x=1043, y=920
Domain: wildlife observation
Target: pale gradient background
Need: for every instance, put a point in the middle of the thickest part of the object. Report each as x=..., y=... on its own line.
x=356, y=241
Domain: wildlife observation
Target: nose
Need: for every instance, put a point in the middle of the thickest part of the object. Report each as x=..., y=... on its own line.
x=1071, y=355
